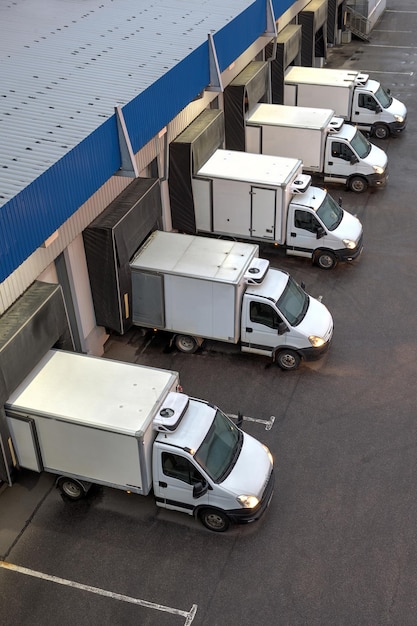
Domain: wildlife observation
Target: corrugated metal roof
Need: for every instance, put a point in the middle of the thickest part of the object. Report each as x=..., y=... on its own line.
x=65, y=66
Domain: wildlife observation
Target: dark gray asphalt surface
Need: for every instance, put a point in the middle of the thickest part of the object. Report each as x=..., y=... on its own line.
x=338, y=543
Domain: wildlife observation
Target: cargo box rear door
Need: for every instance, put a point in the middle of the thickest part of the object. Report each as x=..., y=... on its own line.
x=25, y=442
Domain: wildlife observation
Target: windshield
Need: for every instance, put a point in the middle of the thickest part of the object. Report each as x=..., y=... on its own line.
x=384, y=99
x=293, y=303
x=330, y=213
x=220, y=449
x=360, y=144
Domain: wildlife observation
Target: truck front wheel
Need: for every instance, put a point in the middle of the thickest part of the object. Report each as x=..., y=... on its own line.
x=214, y=520
x=325, y=259
x=71, y=488
x=186, y=344
x=380, y=131
x=358, y=184
x=288, y=360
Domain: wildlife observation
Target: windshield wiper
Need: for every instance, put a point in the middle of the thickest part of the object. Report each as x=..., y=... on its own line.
x=235, y=456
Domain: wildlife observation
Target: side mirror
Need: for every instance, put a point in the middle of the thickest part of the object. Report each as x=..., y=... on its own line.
x=354, y=159
x=320, y=232
x=282, y=328
x=378, y=109
x=200, y=489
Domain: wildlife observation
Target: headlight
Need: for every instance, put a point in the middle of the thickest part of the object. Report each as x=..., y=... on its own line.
x=399, y=118
x=316, y=342
x=378, y=169
x=248, y=502
x=351, y=245
x=267, y=450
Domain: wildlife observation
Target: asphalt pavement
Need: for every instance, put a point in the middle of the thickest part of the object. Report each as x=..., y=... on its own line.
x=338, y=544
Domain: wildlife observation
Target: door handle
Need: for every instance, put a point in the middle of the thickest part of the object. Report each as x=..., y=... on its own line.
x=330, y=162
x=161, y=484
x=293, y=234
x=249, y=330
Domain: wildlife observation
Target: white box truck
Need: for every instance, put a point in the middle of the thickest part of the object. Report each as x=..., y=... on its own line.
x=267, y=199
x=329, y=149
x=352, y=95
x=91, y=420
x=202, y=288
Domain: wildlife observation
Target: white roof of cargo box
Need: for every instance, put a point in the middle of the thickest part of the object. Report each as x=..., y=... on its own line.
x=321, y=76
x=97, y=392
x=260, y=169
x=282, y=115
x=196, y=257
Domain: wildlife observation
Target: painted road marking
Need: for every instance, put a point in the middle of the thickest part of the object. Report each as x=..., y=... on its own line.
x=189, y=615
x=268, y=423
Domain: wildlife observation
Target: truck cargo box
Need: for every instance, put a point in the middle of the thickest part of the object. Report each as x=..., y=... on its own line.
x=245, y=195
x=95, y=425
x=297, y=132
x=190, y=284
x=318, y=87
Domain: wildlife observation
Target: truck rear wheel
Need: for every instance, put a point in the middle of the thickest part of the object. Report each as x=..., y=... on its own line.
x=380, y=131
x=71, y=488
x=214, y=520
x=325, y=259
x=186, y=343
x=288, y=360
x=358, y=184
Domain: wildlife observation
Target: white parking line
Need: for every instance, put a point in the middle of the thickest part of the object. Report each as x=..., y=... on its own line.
x=189, y=615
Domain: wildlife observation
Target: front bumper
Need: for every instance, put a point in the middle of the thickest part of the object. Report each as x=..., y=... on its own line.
x=350, y=255
x=396, y=128
x=378, y=180
x=313, y=354
x=246, y=516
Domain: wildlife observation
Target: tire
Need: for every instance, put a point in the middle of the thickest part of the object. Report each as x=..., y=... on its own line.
x=380, y=131
x=358, y=184
x=325, y=259
x=71, y=488
x=214, y=520
x=288, y=360
x=186, y=344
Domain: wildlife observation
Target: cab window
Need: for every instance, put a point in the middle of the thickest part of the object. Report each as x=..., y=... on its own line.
x=341, y=151
x=178, y=467
x=261, y=313
x=306, y=221
x=366, y=101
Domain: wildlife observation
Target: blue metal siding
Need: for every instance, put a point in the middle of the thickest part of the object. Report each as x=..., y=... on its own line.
x=160, y=103
x=42, y=207
x=240, y=33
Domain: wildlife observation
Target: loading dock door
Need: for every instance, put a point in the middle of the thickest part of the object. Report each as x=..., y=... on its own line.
x=313, y=20
x=244, y=92
x=110, y=242
x=33, y=325
x=187, y=154
x=288, y=52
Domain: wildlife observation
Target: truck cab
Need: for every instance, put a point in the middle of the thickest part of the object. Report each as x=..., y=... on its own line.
x=280, y=320
x=374, y=110
x=351, y=159
x=319, y=229
x=204, y=465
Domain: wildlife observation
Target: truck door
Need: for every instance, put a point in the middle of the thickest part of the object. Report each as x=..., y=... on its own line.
x=302, y=228
x=366, y=110
x=338, y=162
x=263, y=212
x=260, y=328
x=175, y=481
